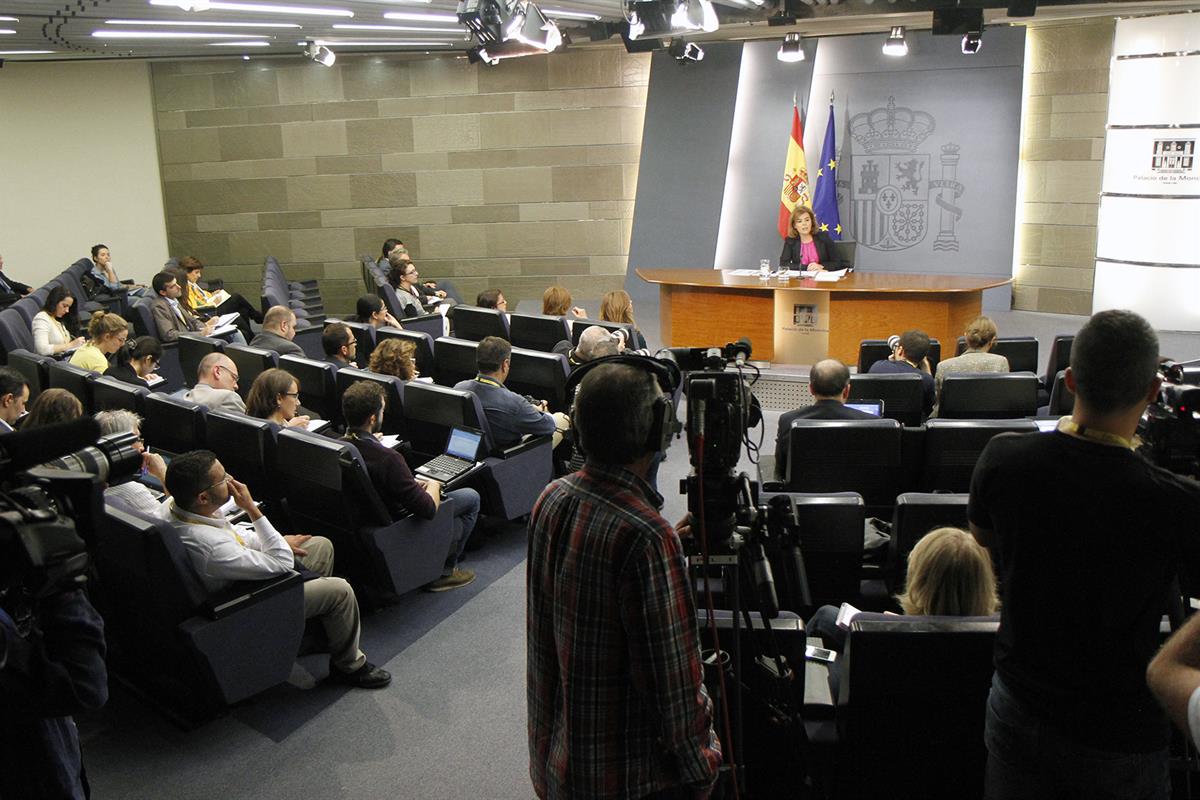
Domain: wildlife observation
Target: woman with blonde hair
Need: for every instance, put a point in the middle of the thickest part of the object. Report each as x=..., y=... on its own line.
x=617, y=306
x=949, y=575
x=395, y=357
x=980, y=337
x=556, y=302
x=275, y=397
x=107, y=333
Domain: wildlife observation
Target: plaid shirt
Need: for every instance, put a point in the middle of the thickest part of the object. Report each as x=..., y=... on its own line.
x=617, y=705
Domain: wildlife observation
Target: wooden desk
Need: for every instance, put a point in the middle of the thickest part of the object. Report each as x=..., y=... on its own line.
x=701, y=307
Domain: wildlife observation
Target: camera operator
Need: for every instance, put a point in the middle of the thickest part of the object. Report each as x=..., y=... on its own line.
x=617, y=705
x=1090, y=536
x=56, y=669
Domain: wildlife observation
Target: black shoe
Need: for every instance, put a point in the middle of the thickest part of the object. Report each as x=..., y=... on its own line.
x=368, y=676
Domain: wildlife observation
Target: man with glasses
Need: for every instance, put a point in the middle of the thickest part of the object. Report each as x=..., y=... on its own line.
x=216, y=384
x=221, y=552
x=339, y=344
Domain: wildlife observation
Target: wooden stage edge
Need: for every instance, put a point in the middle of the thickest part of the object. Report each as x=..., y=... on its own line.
x=701, y=307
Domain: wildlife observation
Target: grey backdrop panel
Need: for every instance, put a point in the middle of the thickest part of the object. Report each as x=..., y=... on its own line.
x=749, y=229
x=933, y=191
x=681, y=175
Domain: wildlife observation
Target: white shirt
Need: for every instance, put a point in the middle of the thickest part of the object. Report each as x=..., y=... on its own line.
x=47, y=332
x=218, y=556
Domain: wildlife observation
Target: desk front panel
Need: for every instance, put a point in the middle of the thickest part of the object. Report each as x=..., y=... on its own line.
x=701, y=316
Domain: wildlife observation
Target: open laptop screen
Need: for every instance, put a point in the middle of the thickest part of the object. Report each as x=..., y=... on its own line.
x=872, y=407
x=464, y=444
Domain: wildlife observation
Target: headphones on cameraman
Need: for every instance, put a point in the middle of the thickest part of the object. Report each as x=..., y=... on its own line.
x=663, y=422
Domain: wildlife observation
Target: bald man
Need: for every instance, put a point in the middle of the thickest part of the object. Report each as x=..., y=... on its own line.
x=216, y=384
x=829, y=381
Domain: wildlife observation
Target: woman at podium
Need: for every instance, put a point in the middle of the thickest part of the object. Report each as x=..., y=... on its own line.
x=807, y=247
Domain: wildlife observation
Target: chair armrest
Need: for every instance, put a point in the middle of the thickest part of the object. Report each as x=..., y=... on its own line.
x=819, y=702
x=523, y=446
x=243, y=594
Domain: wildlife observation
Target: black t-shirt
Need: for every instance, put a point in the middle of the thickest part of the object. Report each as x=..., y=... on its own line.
x=1089, y=537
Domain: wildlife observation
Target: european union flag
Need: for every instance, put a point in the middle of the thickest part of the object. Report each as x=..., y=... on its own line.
x=825, y=203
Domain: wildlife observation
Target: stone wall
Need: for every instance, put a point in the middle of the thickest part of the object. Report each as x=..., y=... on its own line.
x=514, y=176
x=1062, y=154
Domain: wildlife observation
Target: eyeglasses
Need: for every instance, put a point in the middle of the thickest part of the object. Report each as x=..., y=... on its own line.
x=291, y=394
x=229, y=372
x=224, y=479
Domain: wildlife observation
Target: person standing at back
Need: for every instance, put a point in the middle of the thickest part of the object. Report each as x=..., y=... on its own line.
x=617, y=705
x=1089, y=536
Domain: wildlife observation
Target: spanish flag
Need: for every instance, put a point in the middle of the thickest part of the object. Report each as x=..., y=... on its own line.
x=795, y=175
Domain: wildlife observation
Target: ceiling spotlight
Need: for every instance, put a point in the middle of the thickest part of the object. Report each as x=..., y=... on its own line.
x=686, y=52
x=896, y=44
x=656, y=18
x=695, y=15
x=536, y=29
x=320, y=54
x=971, y=42
x=792, y=49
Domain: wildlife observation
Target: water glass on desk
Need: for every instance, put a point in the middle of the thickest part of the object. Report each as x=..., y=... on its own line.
x=764, y=269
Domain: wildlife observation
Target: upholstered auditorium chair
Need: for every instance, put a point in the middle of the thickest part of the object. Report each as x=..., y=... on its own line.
x=538, y=331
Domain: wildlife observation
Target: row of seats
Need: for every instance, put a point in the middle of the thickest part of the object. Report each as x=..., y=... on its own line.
x=527, y=331
x=880, y=459
x=1021, y=352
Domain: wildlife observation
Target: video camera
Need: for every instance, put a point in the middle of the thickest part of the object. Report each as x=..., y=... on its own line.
x=45, y=509
x=1170, y=427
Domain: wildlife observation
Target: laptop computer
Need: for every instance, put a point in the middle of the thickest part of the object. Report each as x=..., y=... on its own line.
x=872, y=407
x=462, y=451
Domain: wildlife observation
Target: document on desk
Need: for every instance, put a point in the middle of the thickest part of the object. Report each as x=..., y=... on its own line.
x=830, y=275
x=743, y=273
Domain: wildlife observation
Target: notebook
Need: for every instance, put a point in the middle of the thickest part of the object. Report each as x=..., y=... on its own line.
x=462, y=451
x=872, y=407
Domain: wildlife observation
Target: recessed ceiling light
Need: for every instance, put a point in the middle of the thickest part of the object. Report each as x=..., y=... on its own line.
x=24, y=52
x=266, y=8
x=380, y=43
x=421, y=16
x=259, y=43
x=5, y=30
x=554, y=12
x=398, y=28
x=9, y=19
x=200, y=22
x=168, y=35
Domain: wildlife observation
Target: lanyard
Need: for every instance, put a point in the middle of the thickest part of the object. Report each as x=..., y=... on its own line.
x=1071, y=428
x=488, y=381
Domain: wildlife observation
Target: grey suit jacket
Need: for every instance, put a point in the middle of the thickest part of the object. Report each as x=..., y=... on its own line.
x=168, y=324
x=219, y=399
x=273, y=341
